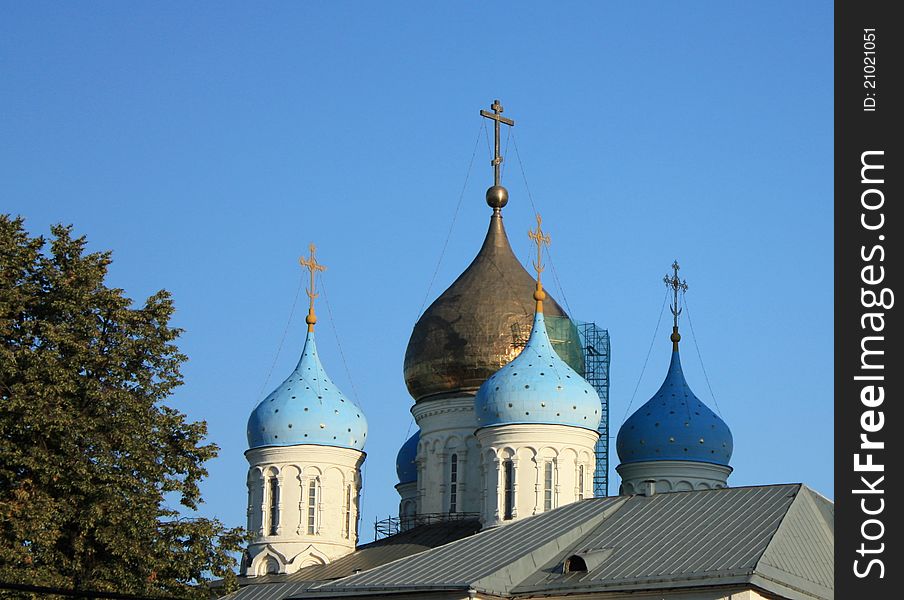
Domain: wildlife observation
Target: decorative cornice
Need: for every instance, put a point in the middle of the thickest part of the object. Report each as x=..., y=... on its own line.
x=450, y=404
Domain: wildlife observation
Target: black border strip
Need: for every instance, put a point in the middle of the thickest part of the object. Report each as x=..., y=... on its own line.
x=868, y=271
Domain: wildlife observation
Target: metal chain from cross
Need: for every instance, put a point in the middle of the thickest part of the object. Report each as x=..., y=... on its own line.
x=313, y=267
x=497, y=118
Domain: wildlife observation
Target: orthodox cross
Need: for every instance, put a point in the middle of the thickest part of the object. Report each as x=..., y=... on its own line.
x=312, y=266
x=541, y=239
x=497, y=117
x=676, y=285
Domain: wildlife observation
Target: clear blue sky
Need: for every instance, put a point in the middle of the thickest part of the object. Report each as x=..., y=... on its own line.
x=207, y=144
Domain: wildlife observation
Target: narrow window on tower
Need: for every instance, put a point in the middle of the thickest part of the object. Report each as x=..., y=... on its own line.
x=348, y=512
x=580, y=482
x=453, y=484
x=508, y=469
x=250, y=508
x=313, y=493
x=274, y=505
x=547, y=486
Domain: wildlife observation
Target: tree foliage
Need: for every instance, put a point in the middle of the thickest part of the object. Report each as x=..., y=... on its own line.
x=90, y=456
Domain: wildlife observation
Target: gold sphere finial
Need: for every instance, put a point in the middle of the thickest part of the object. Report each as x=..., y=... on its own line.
x=497, y=197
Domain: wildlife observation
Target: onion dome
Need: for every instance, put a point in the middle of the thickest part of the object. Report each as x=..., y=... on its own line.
x=674, y=425
x=307, y=408
x=406, y=467
x=538, y=386
x=477, y=325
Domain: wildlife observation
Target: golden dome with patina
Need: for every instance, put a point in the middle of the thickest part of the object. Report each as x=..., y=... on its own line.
x=480, y=323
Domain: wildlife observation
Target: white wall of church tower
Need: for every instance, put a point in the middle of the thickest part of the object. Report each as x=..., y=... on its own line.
x=447, y=435
x=407, y=504
x=531, y=468
x=302, y=506
x=671, y=476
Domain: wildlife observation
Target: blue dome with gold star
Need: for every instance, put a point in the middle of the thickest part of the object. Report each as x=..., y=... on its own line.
x=307, y=408
x=537, y=387
x=675, y=425
x=406, y=467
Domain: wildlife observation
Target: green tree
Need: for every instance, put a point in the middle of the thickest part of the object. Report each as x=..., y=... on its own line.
x=90, y=455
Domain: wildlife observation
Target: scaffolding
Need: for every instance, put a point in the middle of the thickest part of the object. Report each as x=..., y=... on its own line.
x=595, y=343
x=593, y=363
x=390, y=526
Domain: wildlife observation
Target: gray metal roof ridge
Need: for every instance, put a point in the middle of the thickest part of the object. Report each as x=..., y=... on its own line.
x=574, y=515
x=496, y=584
x=775, y=533
x=785, y=589
x=775, y=499
x=790, y=580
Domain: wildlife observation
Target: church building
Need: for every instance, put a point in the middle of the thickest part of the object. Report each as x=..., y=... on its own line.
x=496, y=487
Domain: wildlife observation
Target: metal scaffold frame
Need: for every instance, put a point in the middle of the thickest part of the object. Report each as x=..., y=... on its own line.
x=595, y=344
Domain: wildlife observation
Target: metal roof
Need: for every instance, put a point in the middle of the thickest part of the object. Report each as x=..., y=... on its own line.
x=367, y=556
x=716, y=536
x=777, y=538
x=462, y=563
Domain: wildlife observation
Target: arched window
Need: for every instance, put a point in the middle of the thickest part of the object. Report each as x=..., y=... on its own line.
x=313, y=500
x=347, y=527
x=580, y=482
x=406, y=515
x=547, y=485
x=508, y=474
x=274, y=504
x=453, y=484
x=575, y=564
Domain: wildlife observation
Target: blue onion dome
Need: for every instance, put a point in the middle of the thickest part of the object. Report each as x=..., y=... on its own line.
x=538, y=387
x=405, y=465
x=307, y=408
x=674, y=425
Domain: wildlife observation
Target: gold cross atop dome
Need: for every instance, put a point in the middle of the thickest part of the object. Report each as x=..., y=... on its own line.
x=312, y=266
x=676, y=285
x=541, y=239
x=497, y=196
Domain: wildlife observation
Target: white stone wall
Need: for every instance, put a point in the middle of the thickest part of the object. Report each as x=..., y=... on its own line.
x=447, y=428
x=671, y=476
x=282, y=539
x=407, y=504
x=570, y=451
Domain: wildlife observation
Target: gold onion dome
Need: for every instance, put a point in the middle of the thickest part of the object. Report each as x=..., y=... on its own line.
x=481, y=322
